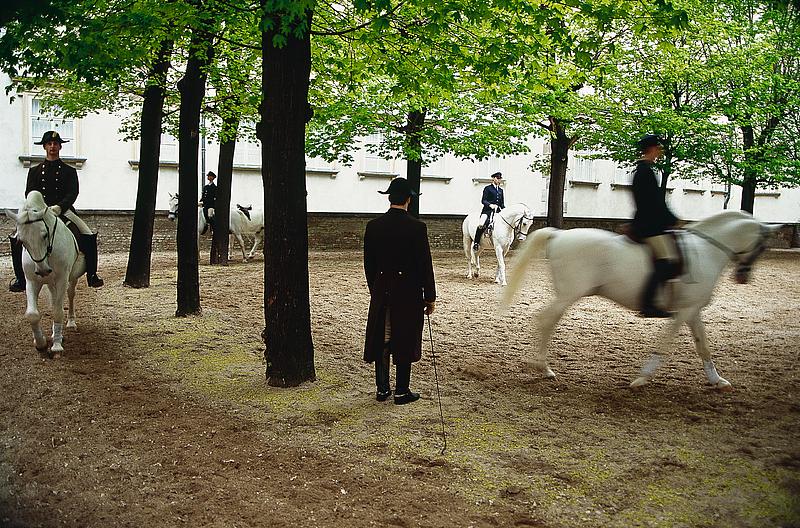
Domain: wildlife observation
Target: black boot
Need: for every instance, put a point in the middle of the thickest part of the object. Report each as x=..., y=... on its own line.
x=662, y=271
x=382, y=391
x=402, y=394
x=208, y=223
x=18, y=284
x=88, y=245
x=478, y=234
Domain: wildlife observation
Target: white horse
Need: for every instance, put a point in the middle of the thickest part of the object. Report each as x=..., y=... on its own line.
x=586, y=262
x=51, y=258
x=238, y=225
x=512, y=222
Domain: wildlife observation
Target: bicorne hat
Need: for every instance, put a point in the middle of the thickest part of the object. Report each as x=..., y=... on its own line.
x=649, y=140
x=51, y=135
x=400, y=188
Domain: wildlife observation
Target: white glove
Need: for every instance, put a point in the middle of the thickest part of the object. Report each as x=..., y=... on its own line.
x=56, y=209
x=494, y=207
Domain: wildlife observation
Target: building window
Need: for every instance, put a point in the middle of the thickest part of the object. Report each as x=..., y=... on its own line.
x=581, y=168
x=488, y=167
x=374, y=162
x=435, y=168
x=319, y=164
x=169, y=149
x=247, y=154
x=49, y=118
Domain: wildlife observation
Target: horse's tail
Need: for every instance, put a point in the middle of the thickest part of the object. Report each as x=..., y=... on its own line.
x=532, y=248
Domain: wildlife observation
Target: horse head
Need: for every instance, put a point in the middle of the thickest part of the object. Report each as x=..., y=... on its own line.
x=36, y=226
x=172, y=214
x=737, y=234
x=521, y=219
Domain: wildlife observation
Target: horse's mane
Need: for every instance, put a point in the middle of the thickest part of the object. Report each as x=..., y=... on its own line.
x=724, y=217
x=33, y=208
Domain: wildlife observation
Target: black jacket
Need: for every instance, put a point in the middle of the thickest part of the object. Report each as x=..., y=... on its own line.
x=492, y=195
x=57, y=181
x=209, y=197
x=652, y=214
x=399, y=272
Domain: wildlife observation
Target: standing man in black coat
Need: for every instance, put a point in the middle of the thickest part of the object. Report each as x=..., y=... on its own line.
x=209, y=201
x=58, y=183
x=493, y=201
x=399, y=271
x=651, y=220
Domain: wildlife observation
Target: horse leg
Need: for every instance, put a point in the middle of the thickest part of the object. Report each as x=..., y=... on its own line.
x=71, y=296
x=500, y=276
x=467, y=241
x=32, y=315
x=240, y=240
x=57, y=292
x=701, y=345
x=665, y=339
x=256, y=240
x=546, y=322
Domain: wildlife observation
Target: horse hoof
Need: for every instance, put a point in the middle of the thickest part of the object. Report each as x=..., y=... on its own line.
x=56, y=350
x=641, y=381
x=723, y=385
x=72, y=324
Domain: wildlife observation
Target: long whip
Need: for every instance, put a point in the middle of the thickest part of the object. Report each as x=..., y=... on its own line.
x=436, y=376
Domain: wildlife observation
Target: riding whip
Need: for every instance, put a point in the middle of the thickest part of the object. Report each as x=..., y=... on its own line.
x=436, y=376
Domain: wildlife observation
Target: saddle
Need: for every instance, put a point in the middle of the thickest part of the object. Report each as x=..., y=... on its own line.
x=680, y=261
x=74, y=230
x=245, y=210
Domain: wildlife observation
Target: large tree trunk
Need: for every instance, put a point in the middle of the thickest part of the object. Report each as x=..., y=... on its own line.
x=559, y=152
x=192, y=89
x=416, y=120
x=137, y=274
x=749, y=181
x=285, y=110
x=222, y=209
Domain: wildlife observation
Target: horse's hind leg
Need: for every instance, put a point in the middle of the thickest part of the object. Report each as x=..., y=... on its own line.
x=546, y=322
x=256, y=239
x=701, y=345
x=467, y=241
x=240, y=240
x=665, y=339
x=32, y=315
x=71, y=297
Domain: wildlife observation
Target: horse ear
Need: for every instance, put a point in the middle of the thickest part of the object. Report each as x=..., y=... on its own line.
x=11, y=215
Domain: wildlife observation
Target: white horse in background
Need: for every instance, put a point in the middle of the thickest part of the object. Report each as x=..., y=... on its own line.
x=512, y=222
x=51, y=258
x=238, y=226
x=585, y=262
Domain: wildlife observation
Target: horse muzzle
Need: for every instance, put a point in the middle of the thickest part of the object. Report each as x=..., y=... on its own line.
x=522, y=237
x=172, y=216
x=44, y=272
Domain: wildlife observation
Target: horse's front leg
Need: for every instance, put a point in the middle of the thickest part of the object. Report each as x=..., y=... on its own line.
x=57, y=292
x=546, y=322
x=71, y=297
x=256, y=240
x=240, y=240
x=665, y=339
x=32, y=315
x=500, y=276
x=701, y=345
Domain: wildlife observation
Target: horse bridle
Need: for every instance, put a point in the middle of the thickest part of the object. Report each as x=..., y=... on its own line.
x=737, y=256
x=517, y=226
x=50, y=239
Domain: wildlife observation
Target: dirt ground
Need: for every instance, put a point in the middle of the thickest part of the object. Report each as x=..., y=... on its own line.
x=152, y=420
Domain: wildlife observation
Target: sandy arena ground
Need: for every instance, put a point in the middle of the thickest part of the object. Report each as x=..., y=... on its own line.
x=151, y=420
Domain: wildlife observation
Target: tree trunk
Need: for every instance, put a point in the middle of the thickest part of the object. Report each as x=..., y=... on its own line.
x=137, y=274
x=749, y=180
x=192, y=89
x=559, y=152
x=222, y=209
x=289, y=351
x=666, y=170
x=416, y=120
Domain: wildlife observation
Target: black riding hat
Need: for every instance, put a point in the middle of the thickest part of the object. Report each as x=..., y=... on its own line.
x=400, y=188
x=498, y=175
x=649, y=140
x=51, y=135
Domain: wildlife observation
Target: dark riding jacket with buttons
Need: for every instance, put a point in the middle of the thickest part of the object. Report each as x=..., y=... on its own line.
x=57, y=181
x=652, y=216
x=399, y=272
x=492, y=195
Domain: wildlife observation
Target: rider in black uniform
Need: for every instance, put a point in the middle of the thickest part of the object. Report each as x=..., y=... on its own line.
x=493, y=201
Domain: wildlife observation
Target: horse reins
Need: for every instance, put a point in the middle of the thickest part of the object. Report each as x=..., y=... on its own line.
x=517, y=226
x=50, y=239
x=735, y=256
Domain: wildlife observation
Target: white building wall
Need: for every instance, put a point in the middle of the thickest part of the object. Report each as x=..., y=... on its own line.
x=595, y=188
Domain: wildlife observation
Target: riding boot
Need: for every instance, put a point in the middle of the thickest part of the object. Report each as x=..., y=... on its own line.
x=88, y=245
x=402, y=394
x=478, y=234
x=662, y=271
x=383, y=391
x=18, y=284
x=208, y=222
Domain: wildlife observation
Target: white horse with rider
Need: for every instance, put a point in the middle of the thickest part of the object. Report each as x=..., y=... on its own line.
x=50, y=258
x=585, y=262
x=509, y=224
x=244, y=221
